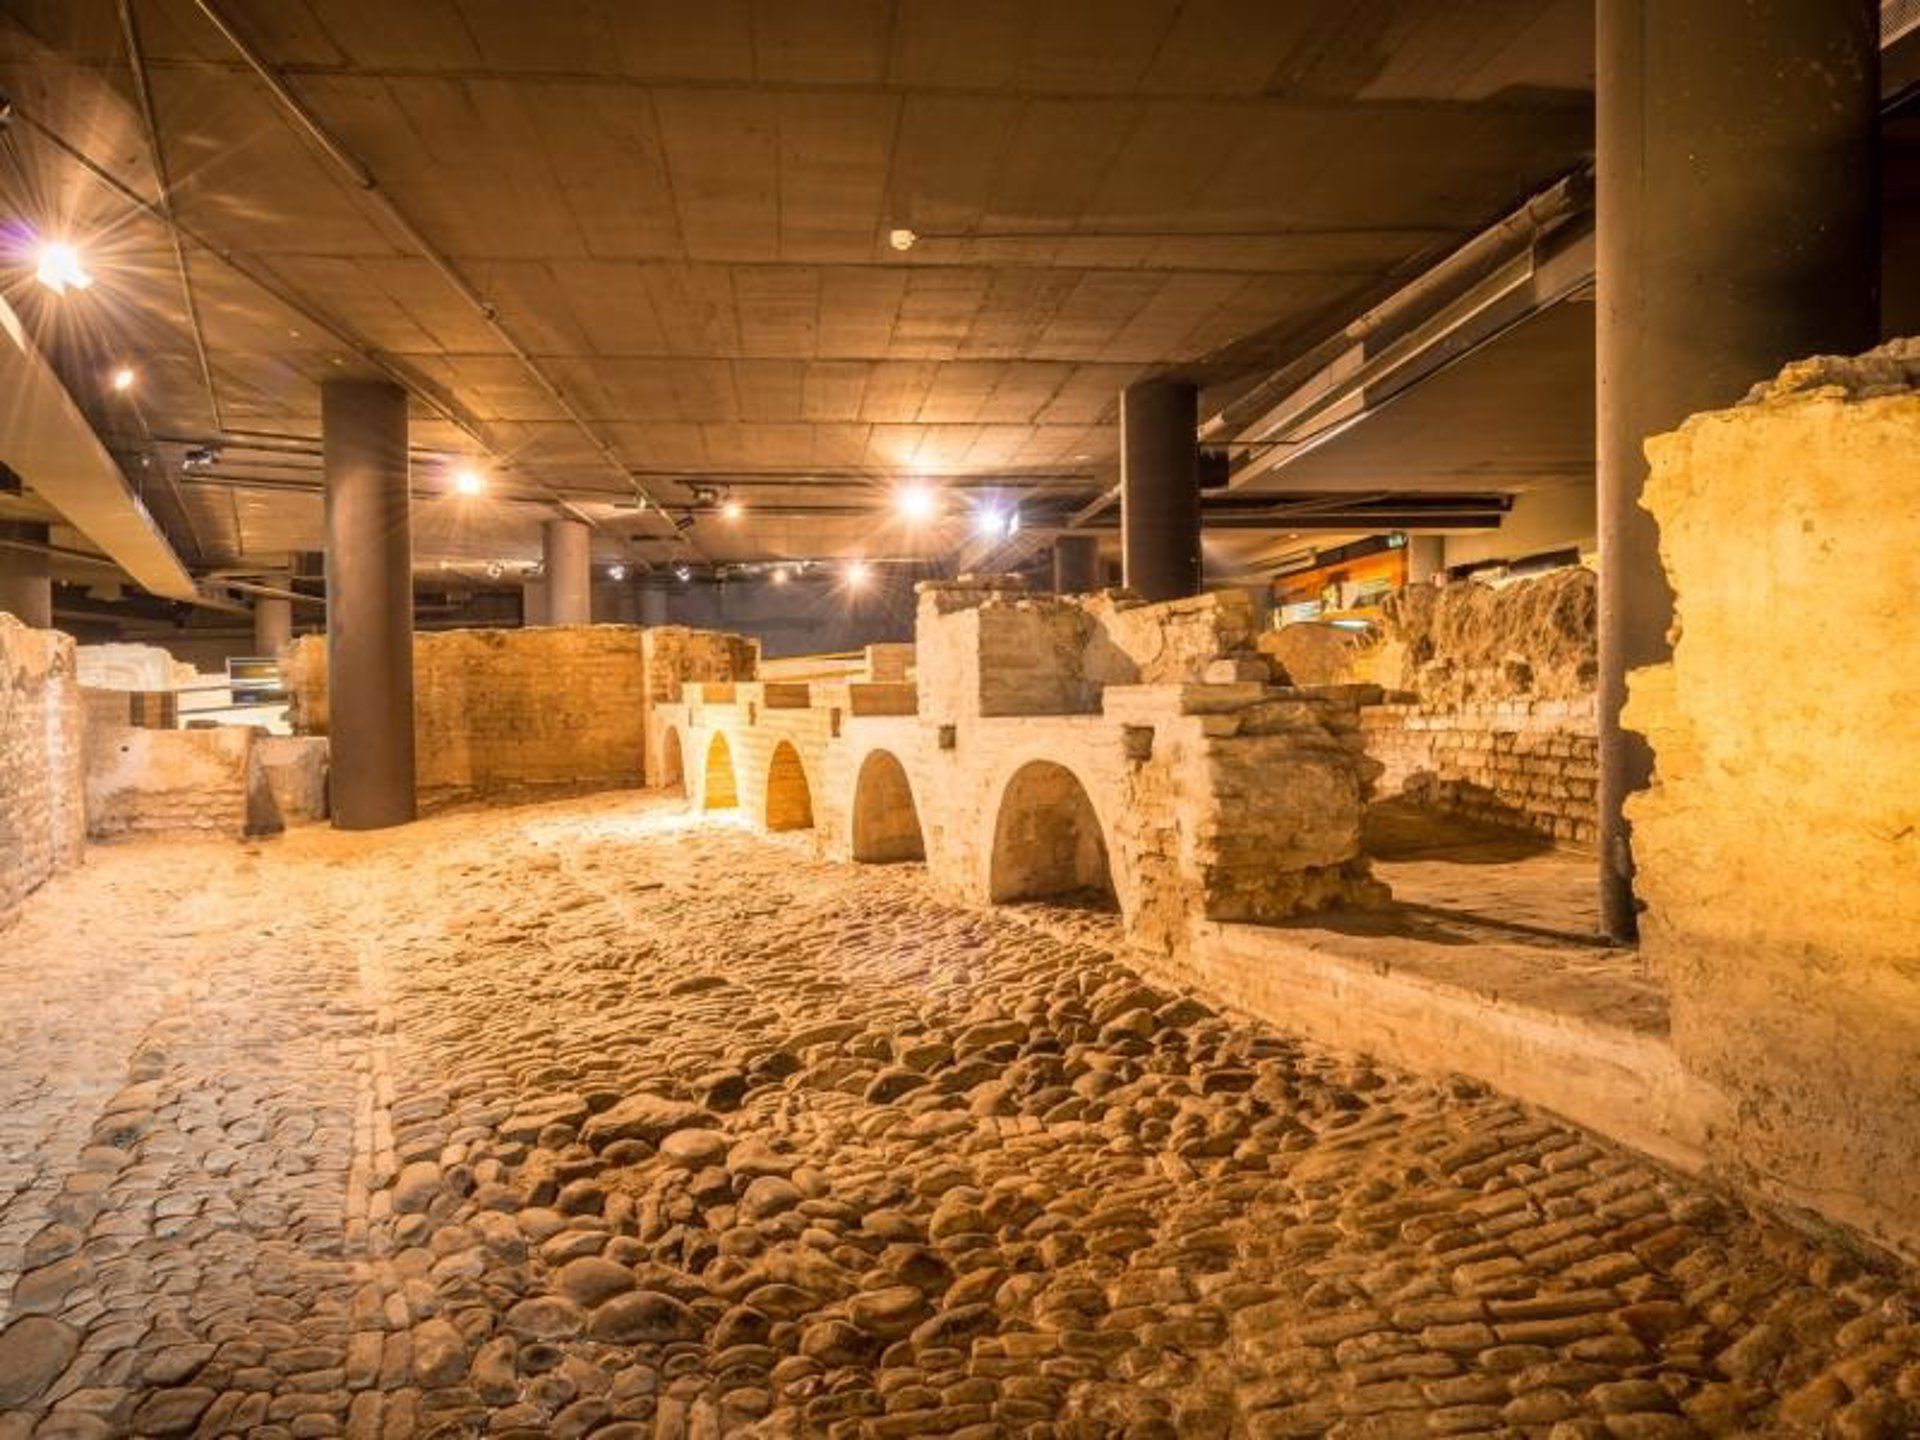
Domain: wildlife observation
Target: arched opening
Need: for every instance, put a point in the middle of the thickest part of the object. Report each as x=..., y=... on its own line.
x=789, y=801
x=721, y=793
x=673, y=767
x=1047, y=839
x=886, y=827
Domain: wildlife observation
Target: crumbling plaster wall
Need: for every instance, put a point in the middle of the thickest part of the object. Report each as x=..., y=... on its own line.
x=1778, y=851
x=42, y=747
x=503, y=712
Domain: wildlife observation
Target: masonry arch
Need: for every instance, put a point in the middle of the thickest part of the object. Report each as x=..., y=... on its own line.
x=1047, y=838
x=789, y=797
x=886, y=824
x=721, y=792
x=673, y=765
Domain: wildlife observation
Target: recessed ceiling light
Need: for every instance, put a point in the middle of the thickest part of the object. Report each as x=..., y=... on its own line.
x=916, y=502
x=469, y=481
x=901, y=239
x=123, y=378
x=59, y=268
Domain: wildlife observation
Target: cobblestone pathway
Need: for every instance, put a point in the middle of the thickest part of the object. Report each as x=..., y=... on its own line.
x=587, y=1120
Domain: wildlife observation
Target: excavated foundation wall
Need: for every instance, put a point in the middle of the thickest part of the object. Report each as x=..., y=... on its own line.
x=42, y=739
x=508, y=712
x=674, y=656
x=1499, y=721
x=1779, y=848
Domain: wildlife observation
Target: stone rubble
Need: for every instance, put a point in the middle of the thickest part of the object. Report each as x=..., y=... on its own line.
x=598, y=1119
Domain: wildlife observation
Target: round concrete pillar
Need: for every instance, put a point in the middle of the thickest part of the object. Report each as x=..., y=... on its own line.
x=1076, y=564
x=363, y=427
x=272, y=624
x=1160, y=488
x=653, y=605
x=26, y=584
x=1738, y=229
x=569, y=572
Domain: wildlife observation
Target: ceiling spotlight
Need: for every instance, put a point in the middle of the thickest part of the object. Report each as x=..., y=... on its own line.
x=682, y=573
x=988, y=523
x=732, y=510
x=779, y=576
x=901, y=239
x=59, y=268
x=916, y=503
x=200, y=457
x=469, y=482
x=616, y=572
x=856, y=574
x=123, y=378
x=495, y=570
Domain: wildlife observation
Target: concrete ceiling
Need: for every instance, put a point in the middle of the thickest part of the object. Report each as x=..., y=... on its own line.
x=682, y=212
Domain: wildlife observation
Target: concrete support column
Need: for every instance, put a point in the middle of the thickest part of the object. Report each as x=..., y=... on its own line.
x=1738, y=229
x=569, y=573
x=272, y=624
x=1160, y=488
x=1426, y=557
x=533, y=603
x=363, y=428
x=1076, y=564
x=26, y=584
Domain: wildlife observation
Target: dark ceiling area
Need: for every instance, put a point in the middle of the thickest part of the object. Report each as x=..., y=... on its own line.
x=722, y=278
x=630, y=256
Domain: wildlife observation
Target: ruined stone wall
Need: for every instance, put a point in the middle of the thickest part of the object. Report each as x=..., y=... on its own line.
x=170, y=782
x=674, y=657
x=1779, y=849
x=42, y=730
x=501, y=712
x=1494, y=714
x=1529, y=765
x=123, y=666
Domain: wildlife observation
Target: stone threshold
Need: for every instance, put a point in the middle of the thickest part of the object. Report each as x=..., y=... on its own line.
x=1615, y=1075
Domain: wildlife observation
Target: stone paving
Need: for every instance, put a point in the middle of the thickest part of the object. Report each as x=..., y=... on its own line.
x=595, y=1119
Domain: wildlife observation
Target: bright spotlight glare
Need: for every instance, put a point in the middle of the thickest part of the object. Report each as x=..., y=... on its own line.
x=916, y=503
x=856, y=574
x=779, y=576
x=732, y=510
x=987, y=522
x=123, y=378
x=469, y=482
x=60, y=269
x=683, y=573
x=616, y=572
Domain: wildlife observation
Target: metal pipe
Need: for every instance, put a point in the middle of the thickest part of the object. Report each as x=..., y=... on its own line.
x=310, y=125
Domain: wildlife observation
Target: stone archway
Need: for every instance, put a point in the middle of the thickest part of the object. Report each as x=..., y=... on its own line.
x=789, y=797
x=721, y=792
x=1047, y=839
x=886, y=826
x=673, y=765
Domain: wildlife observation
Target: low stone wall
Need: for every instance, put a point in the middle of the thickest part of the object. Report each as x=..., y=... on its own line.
x=171, y=782
x=126, y=666
x=42, y=737
x=1525, y=764
x=1778, y=851
x=506, y=712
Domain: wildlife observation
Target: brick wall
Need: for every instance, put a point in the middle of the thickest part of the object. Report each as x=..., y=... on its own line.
x=1526, y=764
x=501, y=712
x=42, y=730
x=170, y=782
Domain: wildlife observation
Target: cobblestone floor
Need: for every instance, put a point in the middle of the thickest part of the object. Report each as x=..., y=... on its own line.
x=587, y=1119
